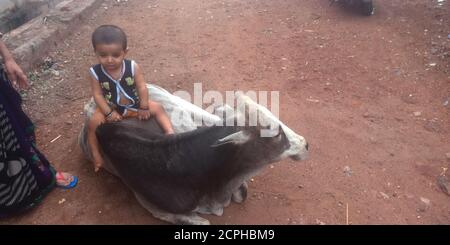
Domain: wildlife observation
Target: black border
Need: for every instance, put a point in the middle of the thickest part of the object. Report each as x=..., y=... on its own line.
x=426, y=234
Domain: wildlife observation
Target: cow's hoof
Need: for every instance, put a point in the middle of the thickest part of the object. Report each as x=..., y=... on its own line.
x=191, y=220
x=218, y=211
x=240, y=194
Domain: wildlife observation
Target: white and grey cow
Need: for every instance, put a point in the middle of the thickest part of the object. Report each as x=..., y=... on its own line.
x=199, y=170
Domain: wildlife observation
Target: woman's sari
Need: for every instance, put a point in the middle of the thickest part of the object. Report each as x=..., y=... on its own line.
x=25, y=174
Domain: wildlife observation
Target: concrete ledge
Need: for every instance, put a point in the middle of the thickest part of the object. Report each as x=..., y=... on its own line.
x=32, y=41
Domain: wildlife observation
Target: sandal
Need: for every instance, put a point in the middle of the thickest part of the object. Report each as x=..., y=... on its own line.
x=60, y=177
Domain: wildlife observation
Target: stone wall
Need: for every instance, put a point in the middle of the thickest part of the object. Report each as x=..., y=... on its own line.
x=14, y=13
x=31, y=41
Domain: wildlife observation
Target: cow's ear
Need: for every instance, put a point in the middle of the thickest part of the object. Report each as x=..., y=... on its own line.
x=237, y=138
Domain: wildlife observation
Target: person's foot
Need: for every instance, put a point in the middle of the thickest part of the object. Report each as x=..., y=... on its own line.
x=170, y=132
x=65, y=180
x=98, y=162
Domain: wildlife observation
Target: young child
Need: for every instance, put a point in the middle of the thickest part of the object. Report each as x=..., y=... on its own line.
x=118, y=87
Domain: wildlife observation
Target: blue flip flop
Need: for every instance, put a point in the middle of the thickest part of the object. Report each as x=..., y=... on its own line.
x=69, y=186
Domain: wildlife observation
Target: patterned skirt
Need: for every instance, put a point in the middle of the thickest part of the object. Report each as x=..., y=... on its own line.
x=25, y=174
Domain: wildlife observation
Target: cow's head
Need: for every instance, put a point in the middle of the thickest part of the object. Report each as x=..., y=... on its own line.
x=256, y=151
x=270, y=134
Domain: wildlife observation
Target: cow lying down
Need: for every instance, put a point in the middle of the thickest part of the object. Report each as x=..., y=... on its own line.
x=197, y=170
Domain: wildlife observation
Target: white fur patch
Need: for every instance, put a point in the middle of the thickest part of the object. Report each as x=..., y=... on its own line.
x=237, y=138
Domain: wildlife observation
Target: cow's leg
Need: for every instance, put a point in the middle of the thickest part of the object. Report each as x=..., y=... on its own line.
x=240, y=194
x=213, y=205
x=216, y=205
x=210, y=209
x=179, y=219
x=191, y=219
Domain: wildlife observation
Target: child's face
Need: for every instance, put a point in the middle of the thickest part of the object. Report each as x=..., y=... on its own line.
x=110, y=56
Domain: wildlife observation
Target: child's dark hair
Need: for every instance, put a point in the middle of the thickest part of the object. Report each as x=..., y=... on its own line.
x=109, y=34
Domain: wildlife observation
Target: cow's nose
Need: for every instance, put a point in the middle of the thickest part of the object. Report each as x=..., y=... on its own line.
x=307, y=146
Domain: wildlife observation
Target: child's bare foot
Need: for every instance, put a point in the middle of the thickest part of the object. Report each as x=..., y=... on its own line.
x=170, y=132
x=98, y=162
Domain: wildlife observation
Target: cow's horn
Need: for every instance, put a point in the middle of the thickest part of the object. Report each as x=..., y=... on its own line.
x=237, y=138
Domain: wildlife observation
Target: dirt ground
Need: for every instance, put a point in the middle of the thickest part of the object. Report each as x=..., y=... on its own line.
x=368, y=93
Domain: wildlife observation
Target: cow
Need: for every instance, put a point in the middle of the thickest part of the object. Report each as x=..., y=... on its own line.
x=198, y=171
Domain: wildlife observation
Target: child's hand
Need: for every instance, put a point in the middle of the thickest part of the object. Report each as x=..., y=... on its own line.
x=143, y=114
x=15, y=74
x=114, y=117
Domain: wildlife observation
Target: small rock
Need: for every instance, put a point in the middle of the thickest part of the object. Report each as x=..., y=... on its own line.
x=313, y=100
x=271, y=166
x=409, y=196
x=347, y=171
x=55, y=73
x=424, y=204
x=319, y=222
x=69, y=122
x=61, y=201
x=384, y=195
x=447, y=155
x=425, y=200
x=417, y=113
x=300, y=186
x=444, y=184
x=433, y=126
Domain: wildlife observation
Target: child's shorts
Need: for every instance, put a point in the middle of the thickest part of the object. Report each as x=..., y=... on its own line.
x=130, y=114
